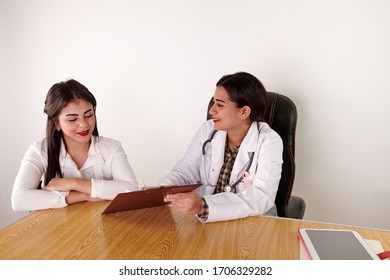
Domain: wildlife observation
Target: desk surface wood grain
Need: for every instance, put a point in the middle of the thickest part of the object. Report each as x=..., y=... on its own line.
x=80, y=232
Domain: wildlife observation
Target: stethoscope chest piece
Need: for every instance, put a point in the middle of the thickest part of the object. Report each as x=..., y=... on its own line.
x=227, y=188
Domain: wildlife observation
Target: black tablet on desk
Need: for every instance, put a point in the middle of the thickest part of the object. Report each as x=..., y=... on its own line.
x=334, y=244
x=151, y=197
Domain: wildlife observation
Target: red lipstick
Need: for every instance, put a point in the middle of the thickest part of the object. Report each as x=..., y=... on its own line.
x=83, y=133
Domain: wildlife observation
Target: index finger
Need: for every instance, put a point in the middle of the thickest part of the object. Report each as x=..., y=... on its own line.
x=171, y=197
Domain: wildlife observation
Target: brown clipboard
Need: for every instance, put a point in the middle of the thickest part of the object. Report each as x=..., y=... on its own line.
x=152, y=197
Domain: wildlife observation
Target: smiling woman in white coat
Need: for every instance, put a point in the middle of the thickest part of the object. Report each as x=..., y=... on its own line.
x=72, y=163
x=236, y=156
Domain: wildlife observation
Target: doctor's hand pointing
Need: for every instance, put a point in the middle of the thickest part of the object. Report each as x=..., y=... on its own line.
x=188, y=203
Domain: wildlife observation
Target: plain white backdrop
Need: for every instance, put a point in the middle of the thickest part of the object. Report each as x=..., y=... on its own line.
x=153, y=65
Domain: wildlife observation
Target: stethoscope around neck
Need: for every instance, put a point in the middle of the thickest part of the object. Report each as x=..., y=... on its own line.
x=229, y=187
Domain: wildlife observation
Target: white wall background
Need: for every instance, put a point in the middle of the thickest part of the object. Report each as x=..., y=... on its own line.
x=153, y=65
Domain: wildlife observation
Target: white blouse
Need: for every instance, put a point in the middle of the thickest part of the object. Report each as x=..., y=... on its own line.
x=107, y=167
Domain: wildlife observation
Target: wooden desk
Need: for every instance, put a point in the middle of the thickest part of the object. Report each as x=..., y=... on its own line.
x=81, y=232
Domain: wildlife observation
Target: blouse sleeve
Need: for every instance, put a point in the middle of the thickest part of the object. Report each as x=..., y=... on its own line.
x=26, y=192
x=123, y=178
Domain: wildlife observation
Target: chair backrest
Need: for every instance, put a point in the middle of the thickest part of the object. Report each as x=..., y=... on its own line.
x=281, y=115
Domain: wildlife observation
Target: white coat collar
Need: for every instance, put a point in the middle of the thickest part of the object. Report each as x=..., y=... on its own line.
x=248, y=146
x=251, y=138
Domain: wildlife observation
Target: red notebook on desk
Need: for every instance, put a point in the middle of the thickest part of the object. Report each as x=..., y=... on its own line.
x=152, y=197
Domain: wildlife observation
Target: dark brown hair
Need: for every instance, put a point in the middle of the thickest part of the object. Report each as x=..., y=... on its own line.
x=244, y=89
x=58, y=96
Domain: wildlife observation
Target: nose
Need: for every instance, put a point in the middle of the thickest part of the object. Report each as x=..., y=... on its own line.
x=212, y=110
x=83, y=122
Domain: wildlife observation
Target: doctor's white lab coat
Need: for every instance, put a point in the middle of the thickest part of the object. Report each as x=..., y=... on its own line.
x=255, y=198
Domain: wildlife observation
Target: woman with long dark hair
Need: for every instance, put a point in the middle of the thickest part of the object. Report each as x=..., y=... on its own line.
x=236, y=156
x=72, y=163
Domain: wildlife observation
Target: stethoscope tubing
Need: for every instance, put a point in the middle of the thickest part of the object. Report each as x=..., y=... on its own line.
x=208, y=141
x=246, y=170
x=233, y=186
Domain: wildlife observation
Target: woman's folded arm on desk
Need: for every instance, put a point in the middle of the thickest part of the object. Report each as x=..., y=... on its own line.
x=28, y=194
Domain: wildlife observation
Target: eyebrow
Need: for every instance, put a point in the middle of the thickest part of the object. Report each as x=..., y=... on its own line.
x=219, y=100
x=75, y=115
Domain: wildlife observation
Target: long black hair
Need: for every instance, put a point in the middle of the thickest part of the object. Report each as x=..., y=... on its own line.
x=58, y=96
x=244, y=89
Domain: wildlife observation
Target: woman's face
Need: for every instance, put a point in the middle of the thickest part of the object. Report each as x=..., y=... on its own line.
x=77, y=122
x=225, y=113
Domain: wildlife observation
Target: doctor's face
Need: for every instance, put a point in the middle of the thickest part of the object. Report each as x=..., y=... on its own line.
x=77, y=122
x=225, y=113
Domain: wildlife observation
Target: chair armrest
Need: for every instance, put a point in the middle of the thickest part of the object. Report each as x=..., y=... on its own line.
x=295, y=207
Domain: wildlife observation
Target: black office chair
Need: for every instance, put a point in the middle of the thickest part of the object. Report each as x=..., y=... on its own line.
x=281, y=115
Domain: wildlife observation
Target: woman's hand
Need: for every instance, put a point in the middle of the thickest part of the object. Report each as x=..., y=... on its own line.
x=69, y=184
x=78, y=189
x=75, y=196
x=188, y=203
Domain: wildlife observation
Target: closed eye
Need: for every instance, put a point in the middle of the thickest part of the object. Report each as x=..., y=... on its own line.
x=219, y=102
x=88, y=113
